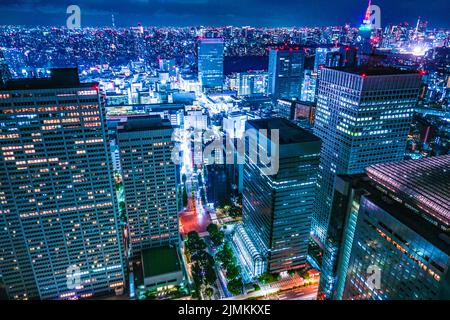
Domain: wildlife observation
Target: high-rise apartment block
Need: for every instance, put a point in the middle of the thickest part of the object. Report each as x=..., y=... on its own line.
x=59, y=231
x=149, y=181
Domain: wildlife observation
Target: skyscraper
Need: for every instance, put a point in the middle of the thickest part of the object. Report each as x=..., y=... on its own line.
x=149, y=181
x=286, y=68
x=342, y=57
x=341, y=228
x=278, y=207
x=320, y=58
x=363, y=117
x=364, y=35
x=58, y=217
x=401, y=246
x=210, y=63
x=252, y=83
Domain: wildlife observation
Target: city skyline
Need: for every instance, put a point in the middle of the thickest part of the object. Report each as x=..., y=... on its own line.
x=177, y=13
x=224, y=163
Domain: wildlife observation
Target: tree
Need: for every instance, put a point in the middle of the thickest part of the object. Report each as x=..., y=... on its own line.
x=233, y=271
x=195, y=243
x=212, y=228
x=203, y=258
x=210, y=275
x=235, y=212
x=225, y=255
x=235, y=286
x=209, y=291
x=216, y=235
x=197, y=275
x=184, y=178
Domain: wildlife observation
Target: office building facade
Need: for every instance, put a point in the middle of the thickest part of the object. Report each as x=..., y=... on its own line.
x=401, y=245
x=363, y=118
x=277, y=207
x=60, y=236
x=149, y=182
x=251, y=83
x=210, y=63
x=286, y=72
x=339, y=239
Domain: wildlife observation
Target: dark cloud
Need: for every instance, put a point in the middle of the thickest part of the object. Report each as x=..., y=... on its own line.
x=221, y=12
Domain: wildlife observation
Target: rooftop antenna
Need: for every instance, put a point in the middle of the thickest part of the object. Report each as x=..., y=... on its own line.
x=368, y=13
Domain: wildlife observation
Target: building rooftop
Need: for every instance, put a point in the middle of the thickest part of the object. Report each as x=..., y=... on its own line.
x=429, y=231
x=365, y=70
x=423, y=183
x=144, y=123
x=211, y=40
x=158, y=261
x=60, y=78
x=289, y=132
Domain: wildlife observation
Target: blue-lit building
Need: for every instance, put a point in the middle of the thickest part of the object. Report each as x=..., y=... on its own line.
x=60, y=236
x=168, y=65
x=286, y=72
x=320, y=58
x=342, y=57
x=251, y=83
x=277, y=206
x=402, y=231
x=341, y=228
x=210, y=63
x=363, y=117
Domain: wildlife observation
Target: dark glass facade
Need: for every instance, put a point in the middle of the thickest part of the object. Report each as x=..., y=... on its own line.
x=401, y=241
x=286, y=70
x=277, y=208
x=413, y=256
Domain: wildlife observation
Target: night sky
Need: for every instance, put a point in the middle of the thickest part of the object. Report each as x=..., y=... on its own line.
x=270, y=13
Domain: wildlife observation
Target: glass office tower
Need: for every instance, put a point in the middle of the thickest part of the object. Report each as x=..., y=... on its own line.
x=278, y=207
x=341, y=228
x=149, y=182
x=59, y=233
x=210, y=63
x=363, y=117
x=286, y=72
x=403, y=231
x=251, y=83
